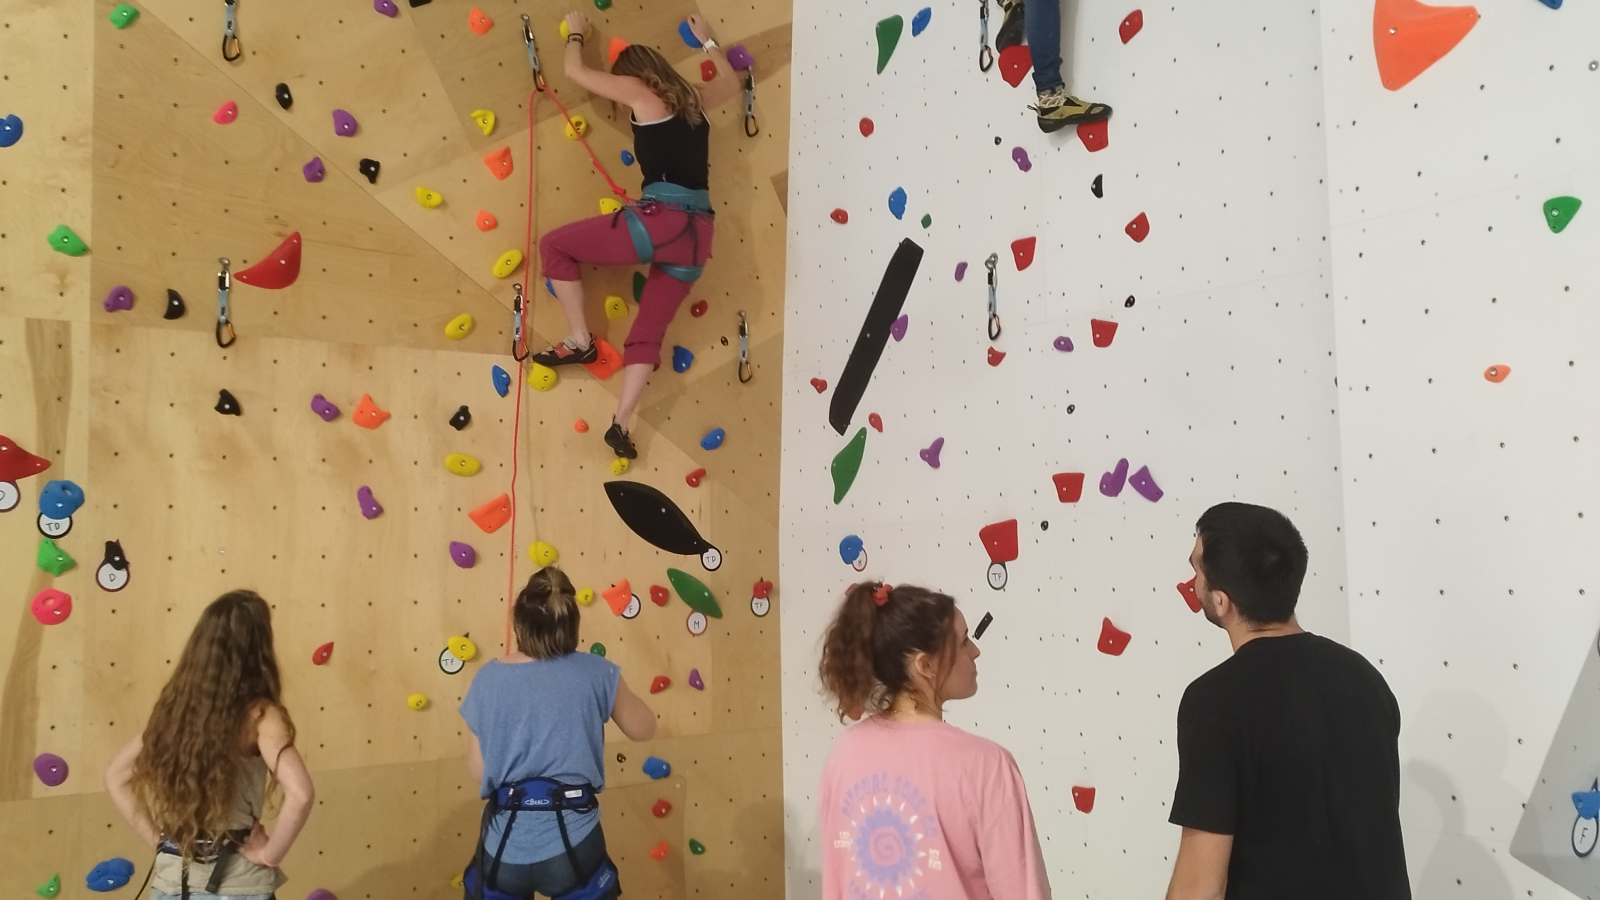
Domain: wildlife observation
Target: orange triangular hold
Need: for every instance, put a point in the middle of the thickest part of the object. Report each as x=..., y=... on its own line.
x=486, y=220
x=478, y=22
x=492, y=515
x=278, y=270
x=499, y=162
x=367, y=413
x=1409, y=37
x=618, y=596
x=615, y=50
x=607, y=363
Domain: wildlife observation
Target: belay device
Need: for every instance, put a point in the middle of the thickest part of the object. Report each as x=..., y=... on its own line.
x=538, y=795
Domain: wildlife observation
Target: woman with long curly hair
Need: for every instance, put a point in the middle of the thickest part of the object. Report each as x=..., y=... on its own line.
x=669, y=227
x=193, y=785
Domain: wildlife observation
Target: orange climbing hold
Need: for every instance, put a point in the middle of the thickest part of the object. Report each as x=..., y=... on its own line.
x=618, y=596
x=499, y=162
x=1022, y=252
x=367, y=413
x=659, y=851
x=486, y=221
x=490, y=516
x=1408, y=37
x=608, y=362
x=478, y=22
x=615, y=50
x=580, y=427
x=1497, y=374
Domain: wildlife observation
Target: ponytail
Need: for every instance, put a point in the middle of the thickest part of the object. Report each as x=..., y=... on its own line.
x=869, y=645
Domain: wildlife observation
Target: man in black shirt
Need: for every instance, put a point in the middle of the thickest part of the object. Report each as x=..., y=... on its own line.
x=1288, y=766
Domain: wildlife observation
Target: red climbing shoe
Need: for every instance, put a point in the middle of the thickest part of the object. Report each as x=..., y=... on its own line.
x=565, y=354
x=618, y=441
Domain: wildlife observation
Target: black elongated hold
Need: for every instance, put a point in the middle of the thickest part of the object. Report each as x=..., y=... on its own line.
x=891, y=296
x=1095, y=188
x=417, y=3
x=462, y=418
x=653, y=516
x=175, y=307
x=227, y=404
x=988, y=619
x=285, y=99
x=1128, y=302
x=369, y=168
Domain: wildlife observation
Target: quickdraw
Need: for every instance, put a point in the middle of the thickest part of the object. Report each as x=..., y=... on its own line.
x=751, y=126
x=230, y=34
x=519, y=344
x=745, y=371
x=985, y=55
x=533, y=53
x=994, y=302
x=224, y=285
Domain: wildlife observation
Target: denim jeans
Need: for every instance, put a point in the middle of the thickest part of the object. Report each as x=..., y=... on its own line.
x=202, y=895
x=1043, y=24
x=554, y=876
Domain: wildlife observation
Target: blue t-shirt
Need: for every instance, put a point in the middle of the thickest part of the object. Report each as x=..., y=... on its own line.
x=541, y=719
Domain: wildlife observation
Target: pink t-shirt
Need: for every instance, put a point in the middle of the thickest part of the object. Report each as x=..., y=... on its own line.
x=925, y=811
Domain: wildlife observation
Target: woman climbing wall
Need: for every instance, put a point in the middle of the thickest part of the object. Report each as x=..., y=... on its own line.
x=669, y=227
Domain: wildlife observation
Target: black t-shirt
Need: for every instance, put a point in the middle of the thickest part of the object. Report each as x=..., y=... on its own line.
x=674, y=151
x=1291, y=747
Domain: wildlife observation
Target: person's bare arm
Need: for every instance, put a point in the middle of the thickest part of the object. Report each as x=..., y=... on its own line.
x=623, y=89
x=119, y=784
x=1201, y=870
x=290, y=771
x=722, y=88
x=631, y=714
x=474, y=758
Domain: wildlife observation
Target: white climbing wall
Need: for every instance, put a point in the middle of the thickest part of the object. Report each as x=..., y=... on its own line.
x=1220, y=379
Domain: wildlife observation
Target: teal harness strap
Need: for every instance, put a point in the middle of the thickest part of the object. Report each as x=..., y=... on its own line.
x=674, y=197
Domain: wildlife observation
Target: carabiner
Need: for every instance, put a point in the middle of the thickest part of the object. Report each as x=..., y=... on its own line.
x=519, y=350
x=230, y=36
x=533, y=52
x=224, y=284
x=751, y=126
x=985, y=55
x=994, y=301
x=745, y=372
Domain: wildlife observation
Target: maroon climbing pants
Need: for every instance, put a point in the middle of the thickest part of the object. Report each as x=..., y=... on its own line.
x=680, y=239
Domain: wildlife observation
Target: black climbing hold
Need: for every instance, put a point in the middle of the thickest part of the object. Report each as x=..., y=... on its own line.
x=417, y=3
x=461, y=419
x=115, y=558
x=891, y=296
x=1128, y=302
x=1044, y=526
x=653, y=516
x=997, y=140
x=1095, y=187
x=285, y=99
x=988, y=619
x=1071, y=407
x=175, y=307
x=227, y=404
x=620, y=757
x=369, y=168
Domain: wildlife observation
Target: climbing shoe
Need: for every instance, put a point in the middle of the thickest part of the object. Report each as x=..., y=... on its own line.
x=1010, y=33
x=1057, y=109
x=564, y=354
x=618, y=441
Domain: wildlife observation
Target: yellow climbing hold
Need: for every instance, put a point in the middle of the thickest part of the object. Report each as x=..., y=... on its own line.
x=458, y=883
x=459, y=327
x=619, y=466
x=586, y=596
x=417, y=702
x=485, y=120
x=507, y=263
x=615, y=308
x=428, y=198
x=609, y=205
x=462, y=648
x=577, y=127
x=565, y=31
x=543, y=554
x=462, y=464
x=542, y=378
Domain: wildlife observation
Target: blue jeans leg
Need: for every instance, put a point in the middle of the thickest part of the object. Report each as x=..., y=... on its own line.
x=1044, y=42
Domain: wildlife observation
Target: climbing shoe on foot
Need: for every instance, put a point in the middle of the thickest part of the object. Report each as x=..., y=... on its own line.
x=618, y=441
x=1010, y=33
x=565, y=354
x=1057, y=109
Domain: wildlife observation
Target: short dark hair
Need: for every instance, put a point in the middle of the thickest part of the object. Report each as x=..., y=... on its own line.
x=1256, y=556
x=544, y=619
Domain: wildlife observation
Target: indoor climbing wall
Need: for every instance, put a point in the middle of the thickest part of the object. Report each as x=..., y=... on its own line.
x=1165, y=343
x=354, y=451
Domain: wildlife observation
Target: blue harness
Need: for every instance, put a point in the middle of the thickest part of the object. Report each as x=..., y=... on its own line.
x=673, y=197
x=537, y=795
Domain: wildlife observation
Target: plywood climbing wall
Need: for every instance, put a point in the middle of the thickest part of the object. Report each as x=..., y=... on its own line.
x=120, y=145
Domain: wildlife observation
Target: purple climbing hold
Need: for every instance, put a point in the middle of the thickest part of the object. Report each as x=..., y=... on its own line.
x=369, y=504
x=1064, y=344
x=321, y=406
x=1111, y=482
x=386, y=7
x=344, y=124
x=961, y=270
x=695, y=681
x=119, y=298
x=931, y=454
x=324, y=893
x=463, y=554
x=897, y=329
x=1145, y=485
x=739, y=58
x=51, y=769
x=313, y=170
x=1020, y=157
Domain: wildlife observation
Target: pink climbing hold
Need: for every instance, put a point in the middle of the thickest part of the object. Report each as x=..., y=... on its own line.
x=1113, y=640
x=1022, y=252
x=344, y=124
x=51, y=607
x=226, y=113
x=1139, y=228
x=313, y=170
x=388, y=8
x=120, y=298
x=370, y=507
x=1131, y=24
x=1095, y=135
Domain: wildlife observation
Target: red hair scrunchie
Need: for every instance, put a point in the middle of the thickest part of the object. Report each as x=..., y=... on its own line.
x=881, y=595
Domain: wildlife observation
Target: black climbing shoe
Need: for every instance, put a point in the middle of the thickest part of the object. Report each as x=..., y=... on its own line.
x=618, y=441
x=564, y=354
x=1010, y=33
x=1057, y=109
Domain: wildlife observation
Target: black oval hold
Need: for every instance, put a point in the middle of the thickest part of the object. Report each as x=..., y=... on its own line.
x=227, y=404
x=1128, y=302
x=417, y=3
x=462, y=418
x=369, y=168
x=175, y=307
x=997, y=140
x=1044, y=526
x=1095, y=187
x=1071, y=407
x=285, y=99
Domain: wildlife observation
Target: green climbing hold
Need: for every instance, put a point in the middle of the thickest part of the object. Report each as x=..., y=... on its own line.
x=694, y=593
x=926, y=220
x=53, y=559
x=121, y=16
x=696, y=847
x=49, y=888
x=846, y=464
x=602, y=5
x=888, y=36
x=638, y=286
x=598, y=649
x=62, y=240
x=1558, y=211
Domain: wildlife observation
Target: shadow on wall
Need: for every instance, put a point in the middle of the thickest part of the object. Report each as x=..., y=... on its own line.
x=804, y=872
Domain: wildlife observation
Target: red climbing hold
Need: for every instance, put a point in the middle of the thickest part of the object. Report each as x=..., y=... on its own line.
x=699, y=309
x=1000, y=539
x=820, y=384
x=1189, y=596
x=1069, y=486
x=1496, y=374
x=608, y=362
x=1112, y=639
x=761, y=590
x=1015, y=61
x=580, y=426
x=1083, y=798
x=226, y=113
x=1095, y=135
x=1130, y=26
x=661, y=809
x=708, y=70
x=876, y=421
x=995, y=356
x=659, y=852
x=1139, y=228
x=866, y=127
x=1408, y=37
x=660, y=684
x=322, y=654
x=1022, y=252
x=490, y=516
x=499, y=162
x=693, y=478
x=486, y=220
x=278, y=270
x=17, y=463
x=839, y=216
x=1103, y=331
x=659, y=595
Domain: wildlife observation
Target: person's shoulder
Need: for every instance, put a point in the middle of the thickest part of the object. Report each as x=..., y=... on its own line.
x=971, y=748
x=590, y=664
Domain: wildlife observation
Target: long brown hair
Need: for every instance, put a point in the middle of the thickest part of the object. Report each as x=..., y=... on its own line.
x=544, y=619
x=650, y=67
x=187, y=772
x=867, y=652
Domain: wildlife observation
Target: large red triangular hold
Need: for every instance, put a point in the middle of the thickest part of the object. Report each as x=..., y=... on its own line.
x=1069, y=486
x=1103, y=330
x=1139, y=228
x=1408, y=37
x=1000, y=539
x=1189, y=596
x=17, y=463
x=1083, y=798
x=1015, y=61
x=1022, y=252
x=1095, y=135
x=1131, y=25
x=1112, y=639
x=278, y=270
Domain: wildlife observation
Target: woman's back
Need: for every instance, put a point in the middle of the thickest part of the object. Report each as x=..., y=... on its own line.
x=243, y=876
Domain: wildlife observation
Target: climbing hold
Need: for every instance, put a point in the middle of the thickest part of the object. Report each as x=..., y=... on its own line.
x=462, y=648
x=429, y=199
x=463, y=555
x=614, y=50
x=840, y=216
x=462, y=464
x=638, y=285
x=324, y=893
x=1139, y=228
x=1095, y=187
x=761, y=590
x=1128, y=303
x=52, y=887
x=57, y=502
x=961, y=270
x=478, y=22
x=321, y=406
x=1083, y=797
x=853, y=551
x=282, y=94
x=10, y=130
x=1022, y=252
x=490, y=516
x=713, y=439
x=226, y=113
x=1131, y=23
x=313, y=170
x=51, y=769
x=369, y=168
x=1186, y=589
x=507, y=263
x=1558, y=211
x=696, y=847
x=739, y=58
x=866, y=127
x=485, y=221
x=654, y=517
x=995, y=356
x=708, y=70
x=661, y=809
x=580, y=427
x=502, y=380
x=627, y=157
x=694, y=592
x=417, y=702
x=370, y=507
x=983, y=625
x=659, y=684
x=1497, y=374
x=279, y=269
x=367, y=413
x=1112, y=639
x=109, y=875
x=542, y=378
x=485, y=120
x=462, y=418
x=1145, y=484
x=609, y=205
x=63, y=240
x=687, y=34
x=577, y=127
x=874, y=335
x=584, y=596
x=122, y=15
x=695, y=682
x=543, y=554
x=1111, y=482
x=322, y=654
x=888, y=36
x=386, y=7
x=1094, y=135
x=499, y=163
x=597, y=649
x=846, y=463
x=659, y=595
x=930, y=454
x=657, y=768
x=227, y=404
x=120, y=298
x=693, y=478
x=1103, y=331
x=920, y=21
x=681, y=359
x=660, y=851
x=1020, y=157
x=1408, y=37
x=344, y=124
x=1063, y=343
x=876, y=421
x=1000, y=542
x=618, y=596
x=699, y=308
x=113, y=573
x=459, y=327
x=927, y=219
x=819, y=385
x=15, y=465
x=51, y=607
x=1015, y=62
x=897, y=203
x=175, y=307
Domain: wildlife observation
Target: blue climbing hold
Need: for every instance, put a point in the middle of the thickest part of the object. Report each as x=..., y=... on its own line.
x=60, y=499
x=657, y=768
x=1587, y=803
x=681, y=358
x=851, y=548
x=1553, y=4
x=10, y=130
x=550, y=287
x=502, y=381
x=922, y=18
x=110, y=875
x=687, y=33
x=627, y=158
x=897, y=203
x=713, y=439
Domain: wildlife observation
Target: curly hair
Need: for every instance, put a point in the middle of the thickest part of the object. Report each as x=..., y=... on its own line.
x=868, y=648
x=649, y=66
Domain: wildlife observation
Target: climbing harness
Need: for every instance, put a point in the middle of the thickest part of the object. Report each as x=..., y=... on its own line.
x=538, y=795
x=994, y=303
x=751, y=126
x=745, y=372
x=519, y=346
x=985, y=55
x=217, y=852
x=224, y=285
x=230, y=36
x=664, y=195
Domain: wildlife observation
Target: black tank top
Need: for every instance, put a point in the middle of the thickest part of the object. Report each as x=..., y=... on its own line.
x=674, y=151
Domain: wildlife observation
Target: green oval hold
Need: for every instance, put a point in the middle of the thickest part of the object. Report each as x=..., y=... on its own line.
x=926, y=220
x=121, y=15
x=694, y=593
x=602, y=5
x=598, y=649
x=696, y=847
x=846, y=464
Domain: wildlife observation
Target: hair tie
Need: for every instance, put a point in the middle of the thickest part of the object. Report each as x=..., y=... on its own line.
x=881, y=595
